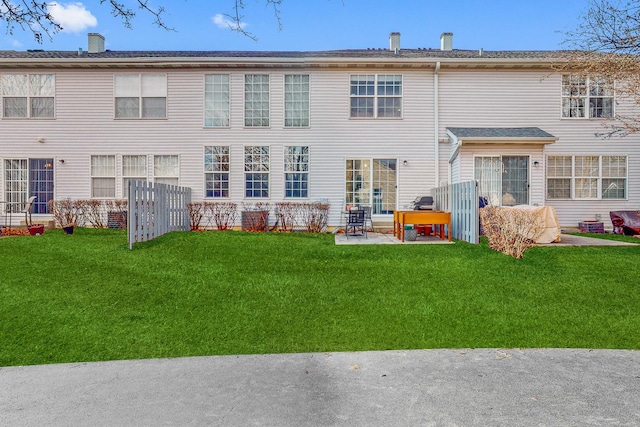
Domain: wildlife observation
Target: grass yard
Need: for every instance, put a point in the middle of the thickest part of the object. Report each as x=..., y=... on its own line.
x=87, y=297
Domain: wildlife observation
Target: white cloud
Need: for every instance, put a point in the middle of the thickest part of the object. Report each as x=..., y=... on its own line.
x=225, y=23
x=73, y=17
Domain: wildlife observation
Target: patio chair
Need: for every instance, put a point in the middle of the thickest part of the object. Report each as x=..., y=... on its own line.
x=26, y=210
x=356, y=224
x=367, y=216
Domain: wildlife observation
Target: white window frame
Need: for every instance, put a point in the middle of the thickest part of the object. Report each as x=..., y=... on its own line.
x=134, y=168
x=217, y=100
x=216, y=171
x=296, y=172
x=136, y=92
x=369, y=95
x=587, y=176
x=257, y=171
x=166, y=169
x=103, y=172
x=296, y=100
x=34, y=89
x=585, y=97
x=257, y=100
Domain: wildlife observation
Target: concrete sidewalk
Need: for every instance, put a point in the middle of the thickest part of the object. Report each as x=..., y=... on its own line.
x=550, y=387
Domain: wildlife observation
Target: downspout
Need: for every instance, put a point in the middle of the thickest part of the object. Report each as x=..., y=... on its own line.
x=436, y=123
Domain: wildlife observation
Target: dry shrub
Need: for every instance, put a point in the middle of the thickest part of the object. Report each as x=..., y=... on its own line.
x=93, y=212
x=223, y=214
x=510, y=231
x=287, y=213
x=314, y=216
x=254, y=218
x=196, y=213
x=66, y=211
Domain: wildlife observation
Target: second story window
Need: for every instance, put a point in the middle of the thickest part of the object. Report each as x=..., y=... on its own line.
x=376, y=96
x=296, y=100
x=256, y=100
x=28, y=95
x=216, y=100
x=140, y=96
x=586, y=97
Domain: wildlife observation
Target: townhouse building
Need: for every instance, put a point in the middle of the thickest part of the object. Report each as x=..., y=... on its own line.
x=370, y=126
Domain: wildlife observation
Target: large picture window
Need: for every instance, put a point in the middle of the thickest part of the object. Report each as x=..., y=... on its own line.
x=296, y=171
x=376, y=96
x=296, y=100
x=28, y=95
x=256, y=171
x=140, y=96
x=587, y=177
x=216, y=100
x=256, y=100
x=216, y=171
x=586, y=97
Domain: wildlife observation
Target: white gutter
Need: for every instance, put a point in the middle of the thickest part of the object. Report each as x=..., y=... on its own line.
x=436, y=124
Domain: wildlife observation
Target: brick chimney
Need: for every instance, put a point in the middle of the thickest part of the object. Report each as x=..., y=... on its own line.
x=446, y=41
x=394, y=42
x=96, y=43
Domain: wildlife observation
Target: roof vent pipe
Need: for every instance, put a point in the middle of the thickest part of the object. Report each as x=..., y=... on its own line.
x=480, y=52
x=96, y=43
x=394, y=42
x=446, y=41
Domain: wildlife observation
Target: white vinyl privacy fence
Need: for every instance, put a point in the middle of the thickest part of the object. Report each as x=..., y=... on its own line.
x=156, y=209
x=461, y=199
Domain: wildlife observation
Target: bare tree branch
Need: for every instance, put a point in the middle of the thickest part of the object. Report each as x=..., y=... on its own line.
x=607, y=43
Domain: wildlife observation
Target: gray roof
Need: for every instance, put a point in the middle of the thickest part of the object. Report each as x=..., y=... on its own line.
x=374, y=54
x=514, y=133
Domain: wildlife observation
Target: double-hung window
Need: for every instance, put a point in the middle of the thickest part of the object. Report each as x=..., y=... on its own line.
x=376, y=96
x=587, y=177
x=134, y=168
x=256, y=171
x=296, y=100
x=296, y=171
x=103, y=176
x=216, y=100
x=216, y=171
x=586, y=97
x=256, y=100
x=166, y=169
x=28, y=95
x=140, y=96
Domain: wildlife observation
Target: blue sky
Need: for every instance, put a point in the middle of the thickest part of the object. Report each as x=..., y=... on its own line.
x=317, y=25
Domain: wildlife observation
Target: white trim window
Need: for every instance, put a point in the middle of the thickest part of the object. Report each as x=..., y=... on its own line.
x=140, y=96
x=256, y=100
x=587, y=177
x=296, y=100
x=376, y=96
x=216, y=171
x=103, y=176
x=28, y=96
x=296, y=172
x=134, y=168
x=216, y=100
x=587, y=97
x=16, y=182
x=166, y=169
x=256, y=171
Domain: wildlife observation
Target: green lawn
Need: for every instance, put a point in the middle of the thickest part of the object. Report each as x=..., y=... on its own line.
x=87, y=297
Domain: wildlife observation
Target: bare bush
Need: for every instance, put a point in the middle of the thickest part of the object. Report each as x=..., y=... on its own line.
x=196, y=214
x=287, y=213
x=66, y=211
x=315, y=216
x=223, y=214
x=510, y=231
